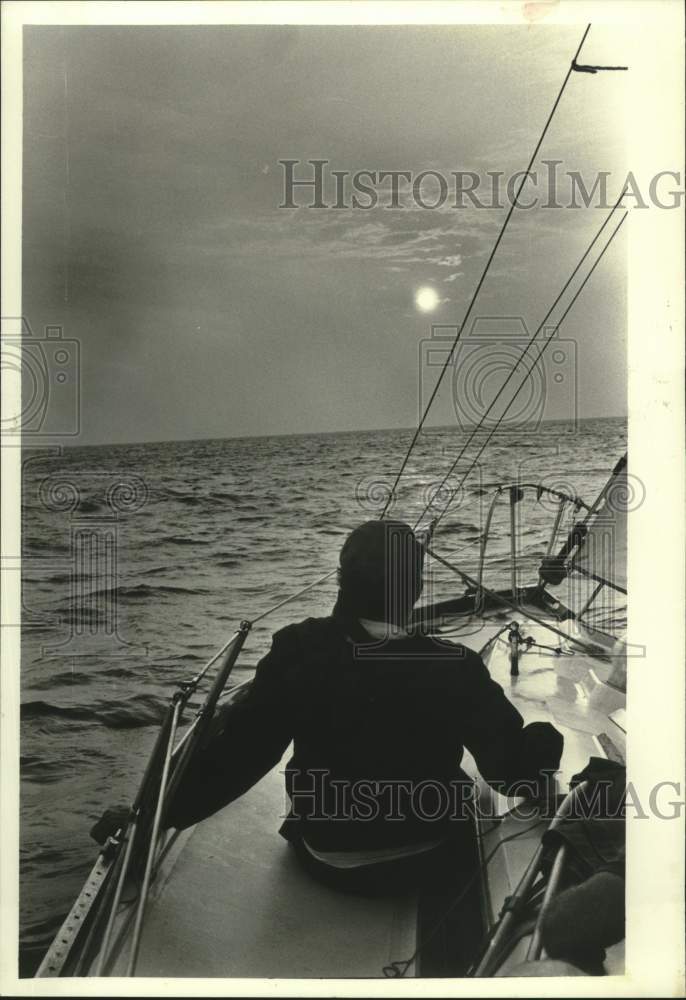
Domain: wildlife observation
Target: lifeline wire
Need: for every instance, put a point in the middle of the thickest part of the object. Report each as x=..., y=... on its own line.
x=528, y=373
x=472, y=301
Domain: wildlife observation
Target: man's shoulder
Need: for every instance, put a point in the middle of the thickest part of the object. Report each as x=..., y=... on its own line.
x=445, y=647
x=307, y=629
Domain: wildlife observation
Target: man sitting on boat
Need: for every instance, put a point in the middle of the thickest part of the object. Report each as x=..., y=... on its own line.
x=379, y=714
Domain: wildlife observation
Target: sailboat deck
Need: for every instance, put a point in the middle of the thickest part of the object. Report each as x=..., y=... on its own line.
x=234, y=902
x=231, y=899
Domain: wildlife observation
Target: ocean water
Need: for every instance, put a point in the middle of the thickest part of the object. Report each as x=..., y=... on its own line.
x=139, y=560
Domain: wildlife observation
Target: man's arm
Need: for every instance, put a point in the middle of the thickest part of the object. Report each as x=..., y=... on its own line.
x=247, y=739
x=507, y=752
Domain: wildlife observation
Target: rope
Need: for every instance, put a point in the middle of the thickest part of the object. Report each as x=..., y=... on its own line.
x=521, y=358
x=528, y=373
x=292, y=597
x=472, y=301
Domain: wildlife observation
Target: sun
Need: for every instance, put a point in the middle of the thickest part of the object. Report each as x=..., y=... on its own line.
x=426, y=298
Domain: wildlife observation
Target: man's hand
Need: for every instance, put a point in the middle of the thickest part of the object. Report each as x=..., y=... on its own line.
x=112, y=820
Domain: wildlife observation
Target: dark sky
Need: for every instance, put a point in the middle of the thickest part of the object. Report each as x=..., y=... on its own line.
x=152, y=231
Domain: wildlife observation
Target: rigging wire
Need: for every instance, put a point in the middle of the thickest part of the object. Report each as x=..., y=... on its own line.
x=448, y=360
x=331, y=573
x=546, y=343
x=472, y=301
x=519, y=360
x=287, y=600
x=393, y=969
x=399, y=968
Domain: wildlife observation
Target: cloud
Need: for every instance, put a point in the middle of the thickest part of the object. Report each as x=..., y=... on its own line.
x=452, y=260
x=453, y=277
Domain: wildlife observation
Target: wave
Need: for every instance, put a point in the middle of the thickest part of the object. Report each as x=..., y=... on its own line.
x=132, y=592
x=463, y=526
x=40, y=545
x=65, y=677
x=41, y=771
x=82, y=614
x=44, y=709
x=218, y=495
x=140, y=710
x=89, y=506
x=119, y=672
x=61, y=577
x=183, y=540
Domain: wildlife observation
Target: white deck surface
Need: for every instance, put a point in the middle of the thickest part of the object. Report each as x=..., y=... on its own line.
x=570, y=692
x=238, y=904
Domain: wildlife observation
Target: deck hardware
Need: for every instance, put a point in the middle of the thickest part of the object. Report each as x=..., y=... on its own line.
x=111, y=846
x=514, y=637
x=515, y=496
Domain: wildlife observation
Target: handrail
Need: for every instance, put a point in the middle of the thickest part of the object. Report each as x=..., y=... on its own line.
x=536, y=944
x=165, y=766
x=540, y=488
x=478, y=604
x=152, y=848
x=563, y=498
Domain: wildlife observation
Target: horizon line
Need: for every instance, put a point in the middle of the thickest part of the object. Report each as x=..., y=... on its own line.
x=285, y=434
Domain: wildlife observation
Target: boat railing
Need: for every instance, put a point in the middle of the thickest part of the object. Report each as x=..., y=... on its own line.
x=84, y=940
x=515, y=493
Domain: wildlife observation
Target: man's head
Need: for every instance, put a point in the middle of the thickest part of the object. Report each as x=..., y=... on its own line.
x=380, y=574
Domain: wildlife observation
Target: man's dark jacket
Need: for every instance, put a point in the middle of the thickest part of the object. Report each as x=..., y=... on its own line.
x=387, y=721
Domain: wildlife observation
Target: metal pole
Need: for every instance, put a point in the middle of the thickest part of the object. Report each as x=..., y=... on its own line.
x=514, y=497
x=104, y=948
x=519, y=895
x=536, y=944
x=135, y=944
x=521, y=892
x=482, y=556
x=513, y=637
x=204, y=716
